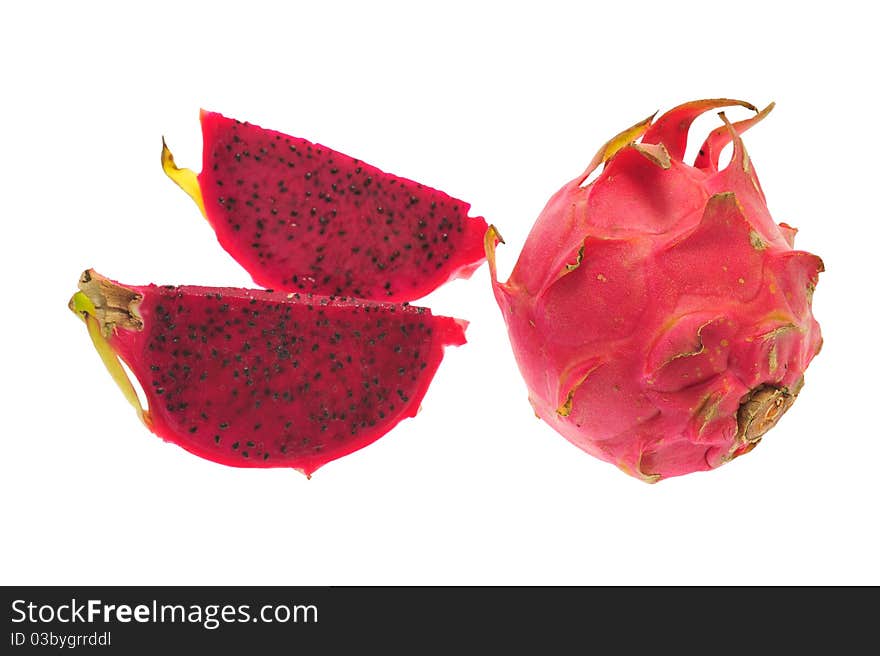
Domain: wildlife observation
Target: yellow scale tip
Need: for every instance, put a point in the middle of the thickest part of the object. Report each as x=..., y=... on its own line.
x=83, y=306
x=184, y=178
x=490, y=239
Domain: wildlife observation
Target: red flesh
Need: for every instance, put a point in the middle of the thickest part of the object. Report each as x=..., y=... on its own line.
x=299, y=216
x=251, y=378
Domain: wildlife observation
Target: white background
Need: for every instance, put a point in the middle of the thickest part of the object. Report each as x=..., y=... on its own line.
x=498, y=104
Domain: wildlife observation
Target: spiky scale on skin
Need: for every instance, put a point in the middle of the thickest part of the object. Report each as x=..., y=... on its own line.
x=254, y=378
x=299, y=216
x=659, y=316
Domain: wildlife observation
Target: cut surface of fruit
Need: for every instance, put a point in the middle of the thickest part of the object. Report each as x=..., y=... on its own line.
x=256, y=378
x=299, y=216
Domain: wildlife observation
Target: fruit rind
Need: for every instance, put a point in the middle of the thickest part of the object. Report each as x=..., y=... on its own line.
x=100, y=328
x=660, y=318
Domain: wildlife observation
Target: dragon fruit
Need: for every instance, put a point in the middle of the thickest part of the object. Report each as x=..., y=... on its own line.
x=661, y=320
x=255, y=378
x=299, y=216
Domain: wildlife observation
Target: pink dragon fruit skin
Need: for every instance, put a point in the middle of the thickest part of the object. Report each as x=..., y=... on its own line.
x=660, y=318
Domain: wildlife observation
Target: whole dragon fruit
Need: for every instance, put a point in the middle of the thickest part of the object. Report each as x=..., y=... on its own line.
x=660, y=318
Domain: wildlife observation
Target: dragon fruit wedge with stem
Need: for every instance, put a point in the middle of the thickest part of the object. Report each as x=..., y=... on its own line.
x=660, y=318
x=299, y=216
x=257, y=378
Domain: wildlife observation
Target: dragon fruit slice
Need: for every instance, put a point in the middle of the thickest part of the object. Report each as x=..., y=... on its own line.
x=255, y=378
x=661, y=320
x=299, y=216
